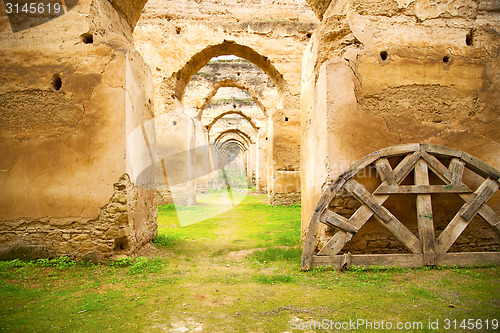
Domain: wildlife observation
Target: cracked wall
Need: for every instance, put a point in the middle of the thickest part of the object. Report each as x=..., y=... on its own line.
x=381, y=73
x=66, y=108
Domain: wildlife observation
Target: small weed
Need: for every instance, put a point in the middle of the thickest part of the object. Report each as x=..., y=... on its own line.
x=59, y=263
x=122, y=262
x=356, y=269
x=146, y=265
x=6, y=265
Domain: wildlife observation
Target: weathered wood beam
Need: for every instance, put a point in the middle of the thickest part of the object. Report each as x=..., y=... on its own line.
x=425, y=217
x=422, y=189
x=461, y=220
x=458, y=259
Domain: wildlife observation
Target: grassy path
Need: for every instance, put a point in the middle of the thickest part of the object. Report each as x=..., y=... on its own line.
x=209, y=277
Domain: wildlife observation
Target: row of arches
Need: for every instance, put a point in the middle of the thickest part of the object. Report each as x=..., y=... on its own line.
x=231, y=114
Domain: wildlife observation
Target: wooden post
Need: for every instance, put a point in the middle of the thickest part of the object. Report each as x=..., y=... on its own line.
x=425, y=216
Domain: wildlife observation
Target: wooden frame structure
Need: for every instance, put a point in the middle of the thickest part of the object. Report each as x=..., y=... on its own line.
x=426, y=249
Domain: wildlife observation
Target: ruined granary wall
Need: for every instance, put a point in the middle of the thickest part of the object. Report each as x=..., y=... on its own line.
x=170, y=33
x=381, y=73
x=67, y=103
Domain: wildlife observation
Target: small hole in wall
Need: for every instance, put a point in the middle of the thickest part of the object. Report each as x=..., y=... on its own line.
x=238, y=73
x=266, y=137
x=469, y=40
x=87, y=38
x=446, y=58
x=121, y=244
x=234, y=106
x=178, y=30
x=384, y=55
x=56, y=82
x=286, y=118
x=308, y=35
x=174, y=122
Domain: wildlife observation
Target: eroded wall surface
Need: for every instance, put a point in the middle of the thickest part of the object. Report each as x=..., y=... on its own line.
x=67, y=103
x=381, y=73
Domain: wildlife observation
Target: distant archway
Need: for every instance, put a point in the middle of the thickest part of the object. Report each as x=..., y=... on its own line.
x=231, y=84
x=240, y=144
x=222, y=115
x=237, y=132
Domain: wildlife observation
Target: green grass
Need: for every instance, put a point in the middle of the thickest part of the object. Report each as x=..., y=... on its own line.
x=278, y=254
x=235, y=272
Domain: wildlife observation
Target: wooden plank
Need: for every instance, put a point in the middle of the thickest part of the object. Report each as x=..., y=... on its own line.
x=363, y=195
x=458, y=259
x=484, y=192
x=399, y=150
x=372, y=260
x=480, y=167
x=457, y=170
x=422, y=189
x=438, y=168
x=458, y=224
x=485, y=212
x=469, y=259
x=346, y=261
x=407, y=165
x=424, y=215
x=334, y=220
x=384, y=170
x=312, y=231
x=440, y=150
x=335, y=244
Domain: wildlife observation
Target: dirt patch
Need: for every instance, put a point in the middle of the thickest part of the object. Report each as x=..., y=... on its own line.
x=241, y=254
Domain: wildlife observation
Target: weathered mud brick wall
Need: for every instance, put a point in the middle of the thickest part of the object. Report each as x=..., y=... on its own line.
x=381, y=73
x=71, y=90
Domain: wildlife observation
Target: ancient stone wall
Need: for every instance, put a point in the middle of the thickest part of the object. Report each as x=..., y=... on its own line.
x=380, y=73
x=72, y=89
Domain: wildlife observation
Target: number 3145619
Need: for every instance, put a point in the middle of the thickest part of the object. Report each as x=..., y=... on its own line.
x=33, y=8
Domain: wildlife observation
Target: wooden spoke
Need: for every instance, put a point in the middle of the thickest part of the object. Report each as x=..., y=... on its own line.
x=425, y=217
x=438, y=168
x=457, y=170
x=461, y=220
x=365, y=197
x=406, y=166
x=384, y=170
x=335, y=220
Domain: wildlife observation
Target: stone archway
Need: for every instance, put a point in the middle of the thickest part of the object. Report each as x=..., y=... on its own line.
x=239, y=113
x=234, y=84
x=178, y=80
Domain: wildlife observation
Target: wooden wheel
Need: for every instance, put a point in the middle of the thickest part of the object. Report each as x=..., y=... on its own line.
x=426, y=249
